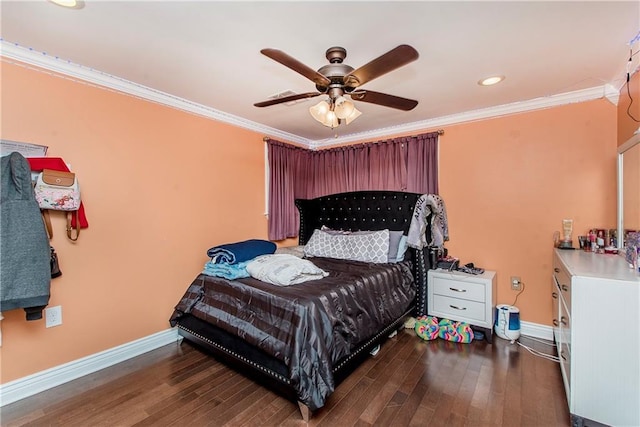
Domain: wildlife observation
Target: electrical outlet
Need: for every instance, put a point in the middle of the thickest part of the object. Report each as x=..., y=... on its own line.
x=516, y=283
x=53, y=316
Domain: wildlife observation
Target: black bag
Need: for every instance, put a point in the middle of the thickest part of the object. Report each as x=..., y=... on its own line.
x=55, y=267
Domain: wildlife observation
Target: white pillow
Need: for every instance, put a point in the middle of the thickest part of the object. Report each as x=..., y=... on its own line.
x=370, y=247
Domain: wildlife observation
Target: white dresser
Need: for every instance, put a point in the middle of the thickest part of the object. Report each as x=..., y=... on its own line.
x=597, y=332
x=463, y=297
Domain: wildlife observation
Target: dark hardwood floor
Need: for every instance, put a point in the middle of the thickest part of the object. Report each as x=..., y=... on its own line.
x=409, y=383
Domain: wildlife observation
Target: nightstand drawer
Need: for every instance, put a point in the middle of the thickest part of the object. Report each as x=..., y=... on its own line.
x=458, y=309
x=472, y=291
x=463, y=297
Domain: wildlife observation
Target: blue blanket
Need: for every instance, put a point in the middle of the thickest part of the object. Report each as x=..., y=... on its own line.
x=227, y=271
x=232, y=253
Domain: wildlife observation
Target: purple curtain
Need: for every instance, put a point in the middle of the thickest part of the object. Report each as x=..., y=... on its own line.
x=401, y=164
x=285, y=183
x=422, y=165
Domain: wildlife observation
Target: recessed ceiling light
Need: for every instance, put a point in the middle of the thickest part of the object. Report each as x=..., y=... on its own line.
x=69, y=4
x=491, y=80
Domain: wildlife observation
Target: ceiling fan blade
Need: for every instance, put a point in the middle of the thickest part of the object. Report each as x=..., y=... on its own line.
x=383, y=64
x=384, y=99
x=297, y=66
x=286, y=99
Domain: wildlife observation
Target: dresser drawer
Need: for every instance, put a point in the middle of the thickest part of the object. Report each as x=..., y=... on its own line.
x=472, y=291
x=563, y=279
x=458, y=309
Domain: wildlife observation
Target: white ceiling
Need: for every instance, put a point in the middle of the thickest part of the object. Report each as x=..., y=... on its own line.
x=207, y=53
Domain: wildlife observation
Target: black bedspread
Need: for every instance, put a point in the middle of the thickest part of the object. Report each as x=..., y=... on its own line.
x=309, y=326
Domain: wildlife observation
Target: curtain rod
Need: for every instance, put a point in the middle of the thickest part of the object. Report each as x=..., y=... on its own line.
x=440, y=132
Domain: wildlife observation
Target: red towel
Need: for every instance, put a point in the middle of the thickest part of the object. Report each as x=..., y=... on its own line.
x=56, y=163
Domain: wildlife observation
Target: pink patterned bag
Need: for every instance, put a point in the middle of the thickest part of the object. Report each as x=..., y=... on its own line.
x=57, y=190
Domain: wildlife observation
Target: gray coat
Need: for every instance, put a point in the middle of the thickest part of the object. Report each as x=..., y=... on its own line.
x=25, y=269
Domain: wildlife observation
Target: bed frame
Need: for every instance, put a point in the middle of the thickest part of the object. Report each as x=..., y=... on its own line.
x=361, y=210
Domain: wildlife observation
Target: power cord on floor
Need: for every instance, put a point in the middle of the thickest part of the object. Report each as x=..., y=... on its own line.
x=536, y=352
x=552, y=344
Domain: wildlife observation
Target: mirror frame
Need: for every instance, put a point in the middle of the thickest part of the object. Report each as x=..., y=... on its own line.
x=626, y=146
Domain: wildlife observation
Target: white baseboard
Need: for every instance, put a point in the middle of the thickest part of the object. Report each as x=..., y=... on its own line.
x=44, y=380
x=536, y=330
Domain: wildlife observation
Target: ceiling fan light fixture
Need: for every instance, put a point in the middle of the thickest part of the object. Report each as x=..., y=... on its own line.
x=331, y=112
x=320, y=110
x=343, y=107
x=323, y=113
x=331, y=120
x=337, y=79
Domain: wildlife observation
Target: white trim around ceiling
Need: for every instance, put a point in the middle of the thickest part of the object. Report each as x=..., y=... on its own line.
x=44, y=61
x=606, y=91
x=57, y=65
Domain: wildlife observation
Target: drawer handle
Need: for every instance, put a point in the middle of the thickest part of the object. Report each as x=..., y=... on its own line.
x=554, y=295
x=565, y=288
x=563, y=320
x=557, y=270
x=457, y=308
x=555, y=322
x=458, y=290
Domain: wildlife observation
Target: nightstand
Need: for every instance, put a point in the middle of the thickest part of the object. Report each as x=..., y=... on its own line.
x=463, y=297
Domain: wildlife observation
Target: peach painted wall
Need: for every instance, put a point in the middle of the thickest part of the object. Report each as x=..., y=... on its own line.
x=508, y=183
x=160, y=187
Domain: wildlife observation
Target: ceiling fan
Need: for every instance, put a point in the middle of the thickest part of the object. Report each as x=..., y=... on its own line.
x=337, y=79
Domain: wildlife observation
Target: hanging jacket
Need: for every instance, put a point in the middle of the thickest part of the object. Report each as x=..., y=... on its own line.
x=25, y=269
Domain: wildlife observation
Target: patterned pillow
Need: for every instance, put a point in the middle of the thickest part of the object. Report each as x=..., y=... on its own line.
x=370, y=247
x=395, y=241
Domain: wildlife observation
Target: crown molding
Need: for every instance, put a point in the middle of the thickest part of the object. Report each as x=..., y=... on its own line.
x=606, y=91
x=57, y=65
x=41, y=60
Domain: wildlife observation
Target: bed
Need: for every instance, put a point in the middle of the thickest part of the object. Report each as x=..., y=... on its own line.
x=303, y=340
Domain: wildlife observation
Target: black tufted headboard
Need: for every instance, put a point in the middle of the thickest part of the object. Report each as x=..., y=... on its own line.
x=358, y=210
x=367, y=210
